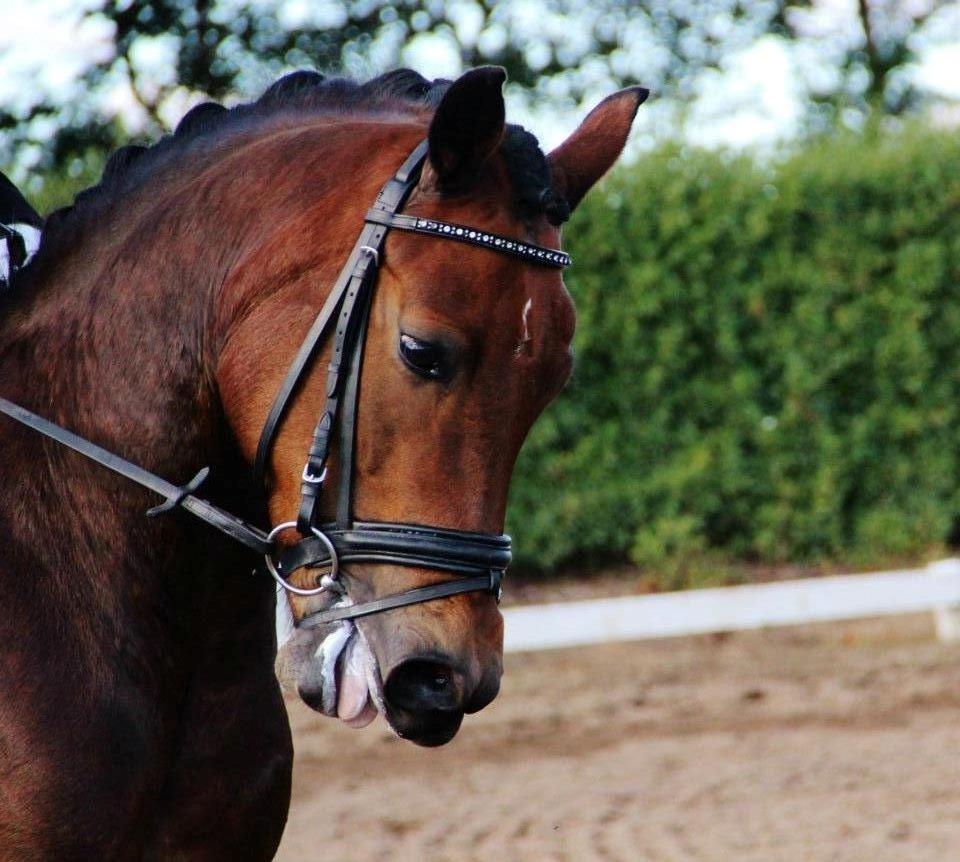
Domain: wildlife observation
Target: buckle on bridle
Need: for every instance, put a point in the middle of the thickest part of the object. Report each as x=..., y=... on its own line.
x=327, y=582
x=311, y=479
x=371, y=252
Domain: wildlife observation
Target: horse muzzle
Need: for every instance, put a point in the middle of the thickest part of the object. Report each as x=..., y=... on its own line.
x=426, y=696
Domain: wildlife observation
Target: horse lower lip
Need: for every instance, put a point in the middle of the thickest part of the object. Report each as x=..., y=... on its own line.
x=312, y=698
x=434, y=740
x=429, y=730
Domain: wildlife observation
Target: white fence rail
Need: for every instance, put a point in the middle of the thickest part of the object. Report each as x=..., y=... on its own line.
x=933, y=588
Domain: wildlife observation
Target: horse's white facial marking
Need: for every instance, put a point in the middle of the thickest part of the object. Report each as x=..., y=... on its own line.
x=525, y=338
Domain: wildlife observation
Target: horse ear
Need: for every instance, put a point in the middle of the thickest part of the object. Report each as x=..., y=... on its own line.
x=467, y=126
x=596, y=144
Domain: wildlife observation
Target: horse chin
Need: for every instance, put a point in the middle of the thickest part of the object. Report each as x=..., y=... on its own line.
x=431, y=733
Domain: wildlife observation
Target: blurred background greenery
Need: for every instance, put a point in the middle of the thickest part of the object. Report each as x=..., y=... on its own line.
x=768, y=363
x=769, y=334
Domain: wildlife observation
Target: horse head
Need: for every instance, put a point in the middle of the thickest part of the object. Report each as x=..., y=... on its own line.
x=464, y=348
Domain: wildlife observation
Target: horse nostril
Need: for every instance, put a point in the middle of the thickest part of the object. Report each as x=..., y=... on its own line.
x=423, y=685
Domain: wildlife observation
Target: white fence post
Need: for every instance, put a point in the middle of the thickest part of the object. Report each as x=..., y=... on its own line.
x=946, y=617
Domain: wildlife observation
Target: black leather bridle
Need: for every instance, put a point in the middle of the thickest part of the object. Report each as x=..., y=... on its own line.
x=478, y=560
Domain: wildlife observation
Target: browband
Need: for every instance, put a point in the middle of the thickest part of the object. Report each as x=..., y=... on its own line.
x=527, y=251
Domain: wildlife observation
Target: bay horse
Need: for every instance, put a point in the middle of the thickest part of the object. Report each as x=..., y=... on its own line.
x=141, y=716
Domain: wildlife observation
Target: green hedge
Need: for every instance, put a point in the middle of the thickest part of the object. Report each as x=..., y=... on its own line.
x=768, y=362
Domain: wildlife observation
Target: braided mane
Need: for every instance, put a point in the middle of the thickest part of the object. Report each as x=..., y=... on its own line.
x=399, y=93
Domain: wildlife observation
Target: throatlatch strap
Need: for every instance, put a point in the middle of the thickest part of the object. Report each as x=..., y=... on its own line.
x=281, y=402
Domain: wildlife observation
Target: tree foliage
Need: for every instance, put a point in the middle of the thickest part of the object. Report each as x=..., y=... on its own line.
x=871, y=50
x=215, y=48
x=165, y=54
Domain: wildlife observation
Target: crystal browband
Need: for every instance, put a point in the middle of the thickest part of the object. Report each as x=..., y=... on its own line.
x=473, y=236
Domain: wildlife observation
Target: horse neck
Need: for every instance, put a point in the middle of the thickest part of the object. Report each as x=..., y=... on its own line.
x=110, y=341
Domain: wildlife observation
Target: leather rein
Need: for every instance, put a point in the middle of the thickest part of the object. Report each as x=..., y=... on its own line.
x=477, y=560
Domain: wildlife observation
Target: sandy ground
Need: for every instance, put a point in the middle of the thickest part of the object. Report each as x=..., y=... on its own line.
x=837, y=742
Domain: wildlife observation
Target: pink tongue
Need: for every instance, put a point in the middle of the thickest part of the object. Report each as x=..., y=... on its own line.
x=368, y=714
x=352, y=700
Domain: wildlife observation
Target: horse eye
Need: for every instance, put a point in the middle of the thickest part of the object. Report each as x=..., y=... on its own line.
x=422, y=357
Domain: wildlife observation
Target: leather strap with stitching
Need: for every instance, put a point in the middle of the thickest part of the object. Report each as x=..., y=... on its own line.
x=413, y=544
x=481, y=583
x=527, y=251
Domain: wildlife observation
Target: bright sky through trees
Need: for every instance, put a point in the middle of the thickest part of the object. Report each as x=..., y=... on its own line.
x=725, y=73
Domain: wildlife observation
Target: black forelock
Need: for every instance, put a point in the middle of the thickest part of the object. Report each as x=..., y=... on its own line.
x=530, y=174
